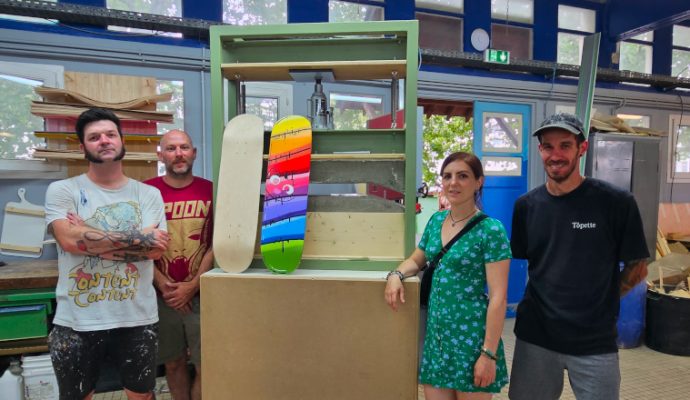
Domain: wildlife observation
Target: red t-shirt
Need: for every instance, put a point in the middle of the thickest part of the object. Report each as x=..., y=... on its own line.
x=189, y=213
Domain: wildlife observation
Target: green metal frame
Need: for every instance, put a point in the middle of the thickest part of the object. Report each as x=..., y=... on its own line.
x=389, y=40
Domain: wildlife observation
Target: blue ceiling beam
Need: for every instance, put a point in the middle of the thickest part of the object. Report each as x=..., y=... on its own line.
x=628, y=18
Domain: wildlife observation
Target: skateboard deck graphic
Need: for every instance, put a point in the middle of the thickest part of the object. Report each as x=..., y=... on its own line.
x=285, y=200
x=238, y=193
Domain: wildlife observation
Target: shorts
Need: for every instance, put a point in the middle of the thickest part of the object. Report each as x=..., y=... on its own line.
x=77, y=358
x=179, y=332
x=537, y=374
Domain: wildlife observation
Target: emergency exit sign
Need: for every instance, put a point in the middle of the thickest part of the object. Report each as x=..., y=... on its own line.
x=497, y=56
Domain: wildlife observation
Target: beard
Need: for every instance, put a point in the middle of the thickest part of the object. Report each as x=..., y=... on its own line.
x=184, y=171
x=561, y=177
x=98, y=160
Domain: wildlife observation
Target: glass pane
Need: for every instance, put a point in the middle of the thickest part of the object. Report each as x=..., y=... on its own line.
x=682, y=159
x=176, y=105
x=353, y=111
x=680, y=64
x=250, y=12
x=641, y=121
x=515, y=39
x=513, y=10
x=502, y=133
x=17, y=124
x=146, y=32
x=644, y=37
x=170, y=8
x=439, y=32
x=502, y=166
x=576, y=19
x=264, y=107
x=343, y=11
x=681, y=36
x=569, y=48
x=443, y=5
x=635, y=57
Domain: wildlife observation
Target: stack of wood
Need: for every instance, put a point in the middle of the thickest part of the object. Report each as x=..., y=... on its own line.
x=610, y=123
x=66, y=103
x=670, y=273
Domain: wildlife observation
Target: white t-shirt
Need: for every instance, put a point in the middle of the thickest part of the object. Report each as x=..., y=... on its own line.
x=92, y=293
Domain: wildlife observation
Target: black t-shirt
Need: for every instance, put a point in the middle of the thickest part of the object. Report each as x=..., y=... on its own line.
x=574, y=245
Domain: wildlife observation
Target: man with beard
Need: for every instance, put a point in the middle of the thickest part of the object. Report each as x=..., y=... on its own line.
x=576, y=234
x=108, y=228
x=188, y=210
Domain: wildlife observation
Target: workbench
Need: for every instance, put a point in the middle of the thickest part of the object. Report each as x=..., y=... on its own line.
x=17, y=276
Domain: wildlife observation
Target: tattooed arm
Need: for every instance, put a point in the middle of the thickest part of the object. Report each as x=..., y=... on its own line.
x=632, y=274
x=135, y=245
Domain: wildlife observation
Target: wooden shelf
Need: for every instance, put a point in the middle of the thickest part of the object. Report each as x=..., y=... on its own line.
x=77, y=155
x=356, y=157
x=342, y=70
x=130, y=137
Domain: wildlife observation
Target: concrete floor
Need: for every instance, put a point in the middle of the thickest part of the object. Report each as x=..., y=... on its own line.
x=645, y=375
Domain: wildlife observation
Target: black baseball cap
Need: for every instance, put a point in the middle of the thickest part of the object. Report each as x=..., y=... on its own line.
x=568, y=122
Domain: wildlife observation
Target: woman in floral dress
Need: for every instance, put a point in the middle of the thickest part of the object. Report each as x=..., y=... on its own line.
x=463, y=354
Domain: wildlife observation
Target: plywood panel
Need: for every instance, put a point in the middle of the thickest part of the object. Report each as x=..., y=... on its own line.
x=111, y=88
x=348, y=236
x=310, y=335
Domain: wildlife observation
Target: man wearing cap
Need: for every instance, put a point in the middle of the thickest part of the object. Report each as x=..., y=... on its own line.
x=585, y=246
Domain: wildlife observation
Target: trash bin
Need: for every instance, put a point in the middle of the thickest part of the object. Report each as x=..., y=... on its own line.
x=631, y=317
x=668, y=322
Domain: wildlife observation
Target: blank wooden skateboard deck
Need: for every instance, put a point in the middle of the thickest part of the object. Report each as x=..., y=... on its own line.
x=285, y=200
x=238, y=193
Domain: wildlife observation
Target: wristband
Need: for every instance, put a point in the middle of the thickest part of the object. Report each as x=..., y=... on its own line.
x=489, y=353
x=396, y=272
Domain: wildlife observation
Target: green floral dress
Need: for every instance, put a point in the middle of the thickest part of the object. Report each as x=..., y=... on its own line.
x=456, y=319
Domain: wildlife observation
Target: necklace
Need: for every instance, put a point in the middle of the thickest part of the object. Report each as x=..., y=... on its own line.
x=453, y=222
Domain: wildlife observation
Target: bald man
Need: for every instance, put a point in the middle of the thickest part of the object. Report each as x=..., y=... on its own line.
x=188, y=210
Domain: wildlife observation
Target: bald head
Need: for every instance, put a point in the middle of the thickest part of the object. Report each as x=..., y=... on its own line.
x=178, y=154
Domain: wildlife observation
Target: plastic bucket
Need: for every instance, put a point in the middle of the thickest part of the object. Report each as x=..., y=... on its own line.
x=668, y=319
x=40, y=382
x=631, y=317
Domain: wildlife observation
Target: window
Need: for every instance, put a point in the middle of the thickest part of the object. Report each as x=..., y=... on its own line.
x=249, y=12
x=176, y=105
x=515, y=39
x=641, y=121
x=352, y=111
x=343, y=11
x=636, y=53
x=679, y=149
x=573, y=24
x=455, y=6
x=680, y=56
x=269, y=101
x=17, y=124
x=439, y=32
x=170, y=8
x=513, y=10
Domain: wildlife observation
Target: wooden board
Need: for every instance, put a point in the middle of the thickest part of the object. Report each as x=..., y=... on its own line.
x=310, y=335
x=56, y=95
x=109, y=88
x=29, y=275
x=23, y=228
x=238, y=194
x=285, y=200
x=353, y=236
x=342, y=70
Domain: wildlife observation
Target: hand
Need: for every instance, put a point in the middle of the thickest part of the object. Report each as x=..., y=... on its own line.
x=484, y=371
x=178, y=294
x=185, y=309
x=394, y=291
x=156, y=238
x=74, y=218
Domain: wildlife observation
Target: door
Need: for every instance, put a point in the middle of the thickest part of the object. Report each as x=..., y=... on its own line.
x=501, y=140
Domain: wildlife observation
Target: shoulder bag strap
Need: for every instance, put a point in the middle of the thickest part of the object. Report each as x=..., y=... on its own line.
x=455, y=238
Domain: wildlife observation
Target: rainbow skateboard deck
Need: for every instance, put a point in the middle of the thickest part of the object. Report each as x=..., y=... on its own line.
x=285, y=200
x=238, y=193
